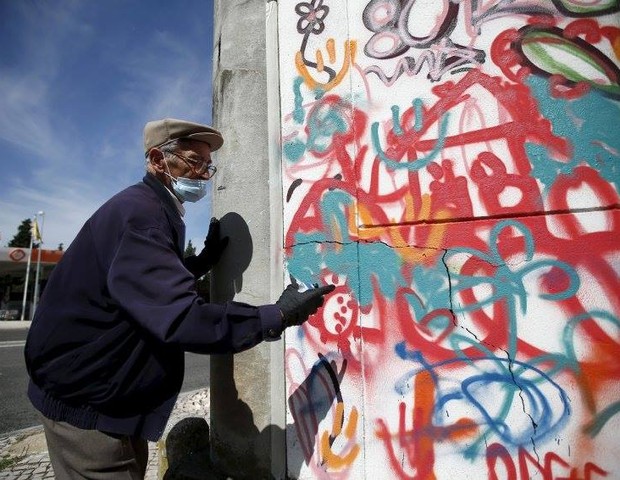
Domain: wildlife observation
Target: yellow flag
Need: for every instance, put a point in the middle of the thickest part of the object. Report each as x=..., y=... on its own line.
x=36, y=233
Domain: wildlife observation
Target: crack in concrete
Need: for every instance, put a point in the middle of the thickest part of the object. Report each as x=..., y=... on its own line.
x=353, y=242
x=534, y=424
x=331, y=242
x=454, y=319
x=445, y=264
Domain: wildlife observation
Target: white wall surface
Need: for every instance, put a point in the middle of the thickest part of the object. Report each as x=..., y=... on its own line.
x=454, y=168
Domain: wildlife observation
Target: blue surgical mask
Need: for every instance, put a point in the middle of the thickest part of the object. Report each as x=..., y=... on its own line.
x=188, y=189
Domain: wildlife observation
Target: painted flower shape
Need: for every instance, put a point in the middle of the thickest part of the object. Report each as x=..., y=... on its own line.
x=312, y=15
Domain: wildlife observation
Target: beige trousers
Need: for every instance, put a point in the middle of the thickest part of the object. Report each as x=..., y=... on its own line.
x=78, y=454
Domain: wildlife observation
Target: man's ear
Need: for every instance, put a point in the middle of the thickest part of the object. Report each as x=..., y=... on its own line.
x=156, y=160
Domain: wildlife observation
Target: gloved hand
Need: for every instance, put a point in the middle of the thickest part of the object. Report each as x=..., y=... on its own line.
x=214, y=244
x=297, y=306
x=211, y=253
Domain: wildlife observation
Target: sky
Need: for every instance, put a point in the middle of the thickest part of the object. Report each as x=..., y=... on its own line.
x=78, y=81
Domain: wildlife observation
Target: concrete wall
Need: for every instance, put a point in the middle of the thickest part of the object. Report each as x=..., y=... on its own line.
x=454, y=167
x=242, y=429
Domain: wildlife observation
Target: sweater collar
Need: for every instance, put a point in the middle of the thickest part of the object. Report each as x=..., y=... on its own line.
x=171, y=209
x=165, y=195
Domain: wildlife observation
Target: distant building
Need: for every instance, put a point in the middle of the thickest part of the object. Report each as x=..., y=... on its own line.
x=13, y=266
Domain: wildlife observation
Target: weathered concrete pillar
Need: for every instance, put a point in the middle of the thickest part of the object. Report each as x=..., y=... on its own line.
x=242, y=425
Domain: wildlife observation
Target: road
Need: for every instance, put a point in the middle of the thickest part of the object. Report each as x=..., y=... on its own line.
x=16, y=412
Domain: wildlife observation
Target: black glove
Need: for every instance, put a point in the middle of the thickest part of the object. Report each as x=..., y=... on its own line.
x=297, y=306
x=211, y=253
x=214, y=244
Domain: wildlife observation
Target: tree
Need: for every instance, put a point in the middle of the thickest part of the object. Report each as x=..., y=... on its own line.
x=190, y=249
x=203, y=284
x=22, y=237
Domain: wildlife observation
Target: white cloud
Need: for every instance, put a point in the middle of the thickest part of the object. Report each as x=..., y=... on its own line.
x=27, y=120
x=67, y=205
x=167, y=79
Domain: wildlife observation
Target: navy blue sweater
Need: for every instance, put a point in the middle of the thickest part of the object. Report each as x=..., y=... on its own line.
x=106, y=347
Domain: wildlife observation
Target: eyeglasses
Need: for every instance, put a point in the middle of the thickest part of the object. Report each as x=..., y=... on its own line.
x=202, y=167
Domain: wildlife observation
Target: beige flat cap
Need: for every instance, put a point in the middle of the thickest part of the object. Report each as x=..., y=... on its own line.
x=159, y=132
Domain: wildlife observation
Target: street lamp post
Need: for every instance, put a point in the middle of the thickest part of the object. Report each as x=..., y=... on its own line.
x=23, y=315
x=35, y=298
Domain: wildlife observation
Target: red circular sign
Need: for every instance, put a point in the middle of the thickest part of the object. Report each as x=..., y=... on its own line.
x=17, y=255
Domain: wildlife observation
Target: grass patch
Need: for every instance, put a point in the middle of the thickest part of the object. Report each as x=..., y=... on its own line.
x=6, y=462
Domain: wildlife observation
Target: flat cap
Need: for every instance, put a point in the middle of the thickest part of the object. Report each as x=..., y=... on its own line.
x=160, y=132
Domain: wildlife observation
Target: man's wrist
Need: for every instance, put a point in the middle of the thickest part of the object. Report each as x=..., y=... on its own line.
x=272, y=320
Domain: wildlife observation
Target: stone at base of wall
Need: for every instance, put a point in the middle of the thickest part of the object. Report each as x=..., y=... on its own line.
x=188, y=451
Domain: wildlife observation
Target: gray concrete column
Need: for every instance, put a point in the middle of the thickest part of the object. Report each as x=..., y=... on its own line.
x=242, y=426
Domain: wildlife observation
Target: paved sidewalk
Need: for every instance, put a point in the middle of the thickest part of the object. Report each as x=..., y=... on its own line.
x=14, y=324
x=23, y=454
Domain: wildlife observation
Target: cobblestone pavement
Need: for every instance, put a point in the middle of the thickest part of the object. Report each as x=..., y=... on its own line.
x=25, y=454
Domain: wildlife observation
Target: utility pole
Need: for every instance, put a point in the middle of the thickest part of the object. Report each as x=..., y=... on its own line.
x=27, y=274
x=39, y=231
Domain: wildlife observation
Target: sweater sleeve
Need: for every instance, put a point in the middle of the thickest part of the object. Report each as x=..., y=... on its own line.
x=149, y=282
x=193, y=265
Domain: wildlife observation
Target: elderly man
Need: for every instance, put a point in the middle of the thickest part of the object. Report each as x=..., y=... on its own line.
x=105, y=351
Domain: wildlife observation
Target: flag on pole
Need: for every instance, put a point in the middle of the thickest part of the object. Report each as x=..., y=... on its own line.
x=36, y=233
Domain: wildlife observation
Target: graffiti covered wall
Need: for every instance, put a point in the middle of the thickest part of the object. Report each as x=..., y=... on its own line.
x=453, y=166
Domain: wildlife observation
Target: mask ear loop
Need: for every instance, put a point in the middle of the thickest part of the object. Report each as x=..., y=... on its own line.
x=168, y=168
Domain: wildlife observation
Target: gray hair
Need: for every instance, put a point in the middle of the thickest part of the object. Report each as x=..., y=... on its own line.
x=171, y=147
x=176, y=145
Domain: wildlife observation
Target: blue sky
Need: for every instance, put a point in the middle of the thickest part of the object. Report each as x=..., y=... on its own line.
x=78, y=81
